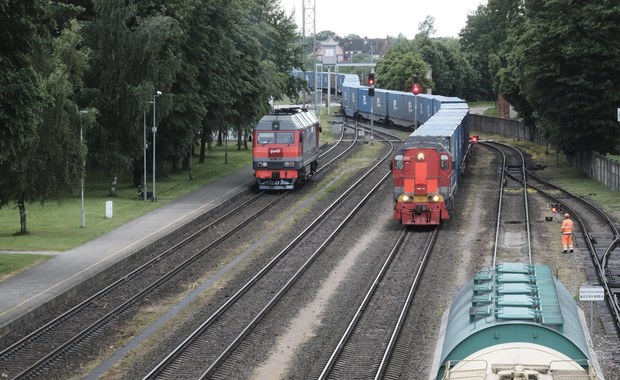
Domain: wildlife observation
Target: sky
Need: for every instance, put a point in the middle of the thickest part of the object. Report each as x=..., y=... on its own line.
x=380, y=18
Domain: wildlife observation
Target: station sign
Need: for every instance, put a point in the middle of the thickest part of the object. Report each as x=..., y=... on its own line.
x=591, y=293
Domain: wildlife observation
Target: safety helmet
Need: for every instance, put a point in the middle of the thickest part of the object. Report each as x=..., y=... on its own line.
x=566, y=215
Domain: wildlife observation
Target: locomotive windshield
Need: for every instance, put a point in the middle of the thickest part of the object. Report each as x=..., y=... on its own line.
x=265, y=137
x=284, y=138
x=278, y=138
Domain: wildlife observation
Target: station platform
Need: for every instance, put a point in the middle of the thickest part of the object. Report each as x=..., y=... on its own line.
x=33, y=292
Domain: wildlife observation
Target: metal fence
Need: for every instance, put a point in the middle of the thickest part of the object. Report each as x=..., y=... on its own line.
x=593, y=164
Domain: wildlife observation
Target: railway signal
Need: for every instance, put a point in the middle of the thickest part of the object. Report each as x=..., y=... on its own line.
x=473, y=139
x=416, y=89
x=371, y=84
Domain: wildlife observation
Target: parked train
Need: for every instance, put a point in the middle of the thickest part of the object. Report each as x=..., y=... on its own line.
x=514, y=321
x=285, y=148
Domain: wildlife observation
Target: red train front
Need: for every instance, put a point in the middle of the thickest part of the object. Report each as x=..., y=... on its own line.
x=422, y=176
x=285, y=148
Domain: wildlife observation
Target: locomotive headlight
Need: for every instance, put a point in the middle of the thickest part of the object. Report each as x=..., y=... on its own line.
x=435, y=198
x=405, y=198
x=262, y=164
x=289, y=164
x=421, y=156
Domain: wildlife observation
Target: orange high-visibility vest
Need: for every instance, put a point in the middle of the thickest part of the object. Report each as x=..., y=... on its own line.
x=567, y=227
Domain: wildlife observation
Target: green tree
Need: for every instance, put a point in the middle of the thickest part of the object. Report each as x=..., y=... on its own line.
x=221, y=20
x=570, y=72
x=427, y=27
x=507, y=65
x=482, y=37
x=398, y=68
x=41, y=156
x=184, y=106
x=400, y=65
x=324, y=35
x=133, y=57
x=451, y=73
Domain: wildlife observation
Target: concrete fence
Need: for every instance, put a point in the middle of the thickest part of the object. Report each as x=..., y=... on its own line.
x=593, y=164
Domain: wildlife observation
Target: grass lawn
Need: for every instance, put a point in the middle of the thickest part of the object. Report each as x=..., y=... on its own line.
x=11, y=264
x=491, y=107
x=57, y=226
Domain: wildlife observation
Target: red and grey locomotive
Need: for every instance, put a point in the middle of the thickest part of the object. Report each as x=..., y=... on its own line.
x=285, y=148
x=426, y=169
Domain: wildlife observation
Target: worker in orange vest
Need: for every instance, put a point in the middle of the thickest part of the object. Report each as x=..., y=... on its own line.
x=567, y=234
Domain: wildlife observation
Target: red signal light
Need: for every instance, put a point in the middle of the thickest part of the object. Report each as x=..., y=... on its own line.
x=371, y=79
x=416, y=88
x=473, y=139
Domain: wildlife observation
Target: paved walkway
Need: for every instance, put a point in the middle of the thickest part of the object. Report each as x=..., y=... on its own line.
x=27, y=292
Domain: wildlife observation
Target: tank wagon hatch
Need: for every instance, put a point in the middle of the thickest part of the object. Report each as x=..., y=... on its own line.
x=514, y=321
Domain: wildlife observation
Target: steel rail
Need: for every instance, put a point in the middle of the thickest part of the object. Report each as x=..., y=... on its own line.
x=171, y=357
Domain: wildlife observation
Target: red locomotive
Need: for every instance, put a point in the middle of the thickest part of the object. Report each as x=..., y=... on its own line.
x=427, y=168
x=285, y=148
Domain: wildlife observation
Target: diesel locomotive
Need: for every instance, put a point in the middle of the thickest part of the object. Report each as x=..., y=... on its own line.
x=285, y=148
x=427, y=168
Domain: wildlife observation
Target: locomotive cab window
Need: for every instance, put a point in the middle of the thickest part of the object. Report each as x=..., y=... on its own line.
x=265, y=137
x=398, y=161
x=285, y=138
x=443, y=162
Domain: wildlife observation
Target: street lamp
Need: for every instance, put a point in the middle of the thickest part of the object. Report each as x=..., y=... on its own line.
x=154, y=199
x=144, y=187
x=83, y=169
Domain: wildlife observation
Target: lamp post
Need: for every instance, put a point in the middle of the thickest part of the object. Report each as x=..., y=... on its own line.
x=144, y=187
x=83, y=169
x=154, y=199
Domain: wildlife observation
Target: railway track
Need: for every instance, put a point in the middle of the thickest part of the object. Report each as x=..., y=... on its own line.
x=371, y=339
x=599, y=236
x=513, y=242
x=217, y=338
x=55, y=344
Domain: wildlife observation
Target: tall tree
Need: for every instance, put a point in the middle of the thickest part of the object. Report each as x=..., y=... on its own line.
x=427, y=27
x=570, y=72
x=133, y=57
x=482, y=36
x=507, y=64
x=40, y=153
x=399, y=67
x=217, y=75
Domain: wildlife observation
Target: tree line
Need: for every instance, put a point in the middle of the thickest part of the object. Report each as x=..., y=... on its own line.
x=554, y=61
x=97, y=66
